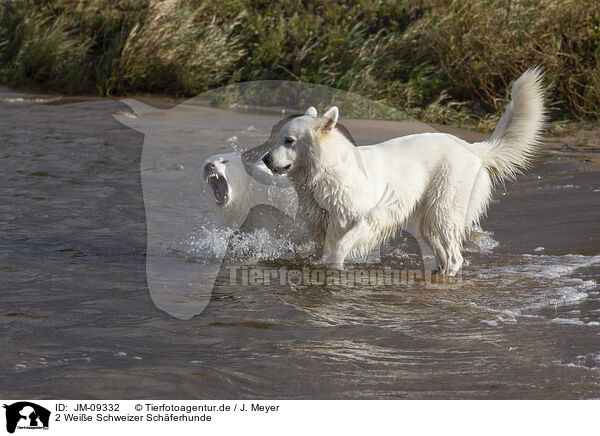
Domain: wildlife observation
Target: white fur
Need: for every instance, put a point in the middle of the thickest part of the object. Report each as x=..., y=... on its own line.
x=353, y=198
x=247, y=191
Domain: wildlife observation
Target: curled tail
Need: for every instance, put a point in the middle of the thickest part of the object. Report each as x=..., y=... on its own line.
x=517, y=134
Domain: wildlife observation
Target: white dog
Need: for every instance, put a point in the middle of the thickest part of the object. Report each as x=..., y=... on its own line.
x=240, y=181
x=353, y=198
x=238, y=186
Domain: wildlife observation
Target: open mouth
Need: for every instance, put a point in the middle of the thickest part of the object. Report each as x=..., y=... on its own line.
x=218, y=184
x=281, y=170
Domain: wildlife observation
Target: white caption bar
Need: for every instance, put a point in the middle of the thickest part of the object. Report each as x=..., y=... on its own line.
x=297, y=417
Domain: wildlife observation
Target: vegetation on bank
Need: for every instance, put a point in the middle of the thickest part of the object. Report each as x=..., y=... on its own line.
x=440, y=60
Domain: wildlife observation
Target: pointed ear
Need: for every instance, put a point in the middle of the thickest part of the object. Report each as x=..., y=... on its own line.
x=329, y=119
x=311, y=111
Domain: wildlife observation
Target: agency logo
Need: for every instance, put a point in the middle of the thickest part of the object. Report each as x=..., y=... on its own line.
x=26, y=415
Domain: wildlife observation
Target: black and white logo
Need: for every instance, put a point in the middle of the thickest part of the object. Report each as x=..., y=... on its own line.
x=26, y=415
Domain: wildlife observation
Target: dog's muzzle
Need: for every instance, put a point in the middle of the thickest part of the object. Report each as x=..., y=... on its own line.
x=268, y=160
x=218, y=184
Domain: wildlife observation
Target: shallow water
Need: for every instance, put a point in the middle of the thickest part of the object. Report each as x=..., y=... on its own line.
x=77, y=320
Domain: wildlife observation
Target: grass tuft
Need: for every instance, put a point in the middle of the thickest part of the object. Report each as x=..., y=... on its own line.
x=444, y=61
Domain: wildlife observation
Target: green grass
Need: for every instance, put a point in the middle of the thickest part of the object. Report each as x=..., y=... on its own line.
x=442, y=61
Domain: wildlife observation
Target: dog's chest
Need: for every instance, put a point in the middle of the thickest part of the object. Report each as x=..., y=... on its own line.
x=338, y=198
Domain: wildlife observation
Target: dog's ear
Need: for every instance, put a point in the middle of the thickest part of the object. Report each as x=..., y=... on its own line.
x=329, y=119
x=311, y=111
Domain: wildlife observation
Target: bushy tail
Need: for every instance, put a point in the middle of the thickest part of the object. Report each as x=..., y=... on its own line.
x=517, y=134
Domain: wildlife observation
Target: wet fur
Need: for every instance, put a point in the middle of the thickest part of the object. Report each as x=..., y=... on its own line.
x=353, y=199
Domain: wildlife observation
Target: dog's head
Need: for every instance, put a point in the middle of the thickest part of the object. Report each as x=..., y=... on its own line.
x=223, y=173
x=299, y=139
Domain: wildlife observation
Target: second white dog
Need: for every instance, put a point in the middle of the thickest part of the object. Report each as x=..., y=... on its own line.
x=236, y=192
x=353, y=198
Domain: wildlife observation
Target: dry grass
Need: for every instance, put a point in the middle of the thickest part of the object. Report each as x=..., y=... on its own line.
x=481, y=46
x=175, y=50
x=441, y=60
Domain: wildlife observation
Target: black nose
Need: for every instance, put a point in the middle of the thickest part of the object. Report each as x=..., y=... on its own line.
x=268, y=160
x=209, y=167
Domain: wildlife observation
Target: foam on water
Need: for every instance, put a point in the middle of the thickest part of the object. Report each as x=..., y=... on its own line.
x=569, y=186
x=35, y=100
x=534, y=282
x=590, y=361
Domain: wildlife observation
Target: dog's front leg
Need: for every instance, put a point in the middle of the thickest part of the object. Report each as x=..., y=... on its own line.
x=327, y=248
x=344, y=246
x=328, y=244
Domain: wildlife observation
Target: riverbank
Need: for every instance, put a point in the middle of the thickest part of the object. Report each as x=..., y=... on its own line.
x=442, y=62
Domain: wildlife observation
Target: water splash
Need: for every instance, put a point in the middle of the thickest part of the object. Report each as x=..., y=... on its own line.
x=481, y=241
x=211, y=242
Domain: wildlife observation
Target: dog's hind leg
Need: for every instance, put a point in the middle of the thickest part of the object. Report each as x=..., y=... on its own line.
x=348, y=242
x=443, y=215
x=438, y=251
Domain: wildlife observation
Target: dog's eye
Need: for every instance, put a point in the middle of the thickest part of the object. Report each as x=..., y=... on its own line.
x=224, y=161
x=289, y=140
